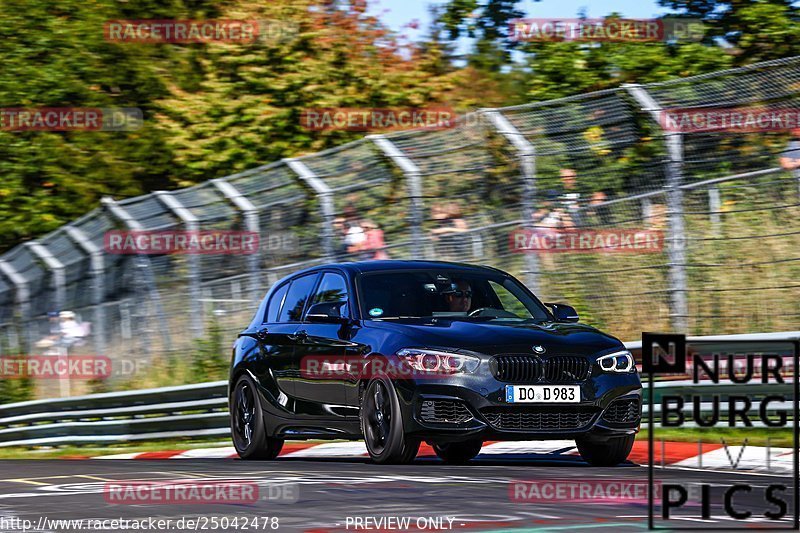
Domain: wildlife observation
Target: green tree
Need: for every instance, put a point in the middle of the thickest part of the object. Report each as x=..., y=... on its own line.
x=55, y=55
x=247, y=108
x=756, y=30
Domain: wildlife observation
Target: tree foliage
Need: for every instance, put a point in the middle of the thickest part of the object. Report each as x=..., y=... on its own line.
x=214, y=109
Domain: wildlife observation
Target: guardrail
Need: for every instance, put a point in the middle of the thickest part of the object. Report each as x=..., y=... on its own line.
x=201, y=410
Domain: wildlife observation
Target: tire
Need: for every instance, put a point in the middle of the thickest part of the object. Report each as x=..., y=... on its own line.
x=248, y=431
x=610, y=452
x=458, y=453
x=382, y=425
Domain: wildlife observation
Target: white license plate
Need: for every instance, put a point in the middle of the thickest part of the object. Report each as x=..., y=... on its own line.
x=543, y=393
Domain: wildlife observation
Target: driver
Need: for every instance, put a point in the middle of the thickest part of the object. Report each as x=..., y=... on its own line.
x=458, y=296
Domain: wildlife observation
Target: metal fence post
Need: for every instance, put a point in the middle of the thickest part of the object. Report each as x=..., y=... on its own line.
x=715, y=205
x=97, y=271
x=250, y=214
x=677, y=231
x=526, y=152
x=325, y=195
x=142, y=265
x=413, y=177
x=22, y=296
x=56, y=267
x=191, y=223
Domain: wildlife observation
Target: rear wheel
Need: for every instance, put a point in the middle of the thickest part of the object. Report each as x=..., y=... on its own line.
x=605, y=452
x=382, y=425
x=458, y=453
x=247, y=423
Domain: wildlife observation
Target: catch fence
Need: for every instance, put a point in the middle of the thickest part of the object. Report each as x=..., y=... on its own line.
x=728, y=214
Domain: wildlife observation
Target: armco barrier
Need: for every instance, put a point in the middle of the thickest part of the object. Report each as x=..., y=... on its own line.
x=201, y=410
x=197, y=410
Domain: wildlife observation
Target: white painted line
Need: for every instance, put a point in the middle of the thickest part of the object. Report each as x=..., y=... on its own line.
x=119, y=456
x=207, y=453
x=332, y=449
x=532, y=446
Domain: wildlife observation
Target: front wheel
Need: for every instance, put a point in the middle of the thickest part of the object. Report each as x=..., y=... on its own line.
x=382, y=425
x=458, y=453
x=247, y=423
x=605, y=452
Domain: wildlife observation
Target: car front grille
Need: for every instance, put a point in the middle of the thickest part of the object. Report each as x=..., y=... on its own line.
x=622, y=411
x=566, y=369
x=444, y=411
x=539, y=418
x=522, y=368
x=517, y=368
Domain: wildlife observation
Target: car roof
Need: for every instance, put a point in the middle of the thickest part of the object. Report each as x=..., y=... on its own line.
x=358, y=267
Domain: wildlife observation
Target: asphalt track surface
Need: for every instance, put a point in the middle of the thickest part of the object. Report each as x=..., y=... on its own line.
x=332, y=493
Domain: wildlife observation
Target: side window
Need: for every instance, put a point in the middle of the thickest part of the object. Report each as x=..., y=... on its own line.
x=296, y=298
x=274, y=305
x=509, y=301
x=332, y=288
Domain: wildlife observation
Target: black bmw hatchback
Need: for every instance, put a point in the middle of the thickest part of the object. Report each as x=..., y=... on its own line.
x=400, y=352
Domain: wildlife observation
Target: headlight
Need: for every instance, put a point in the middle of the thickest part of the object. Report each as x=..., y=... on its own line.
x=439, y=361
x=620, y=362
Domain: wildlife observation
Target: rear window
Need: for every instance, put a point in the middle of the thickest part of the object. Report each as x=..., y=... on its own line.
x=275, y=302
x=297, y=298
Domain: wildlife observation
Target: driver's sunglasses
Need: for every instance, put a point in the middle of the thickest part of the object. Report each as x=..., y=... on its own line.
x=461, y=294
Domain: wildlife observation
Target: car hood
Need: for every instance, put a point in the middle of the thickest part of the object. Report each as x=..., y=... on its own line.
x=493, y=338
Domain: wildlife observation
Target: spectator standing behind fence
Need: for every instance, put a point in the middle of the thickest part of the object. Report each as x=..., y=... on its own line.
x=72, y=332
x=790, y=158
x=549, y=215
x=570, y=198
x=448, y=219
x=65, y=333
x=373, y=246
x=598, y=214
x=448, y=224
x=353, y=236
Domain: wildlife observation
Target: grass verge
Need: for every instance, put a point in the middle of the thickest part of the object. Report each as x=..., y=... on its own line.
x=775, y=437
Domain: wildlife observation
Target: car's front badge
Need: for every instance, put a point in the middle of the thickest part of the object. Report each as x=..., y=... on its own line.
x=375, y=311
x=539, y=349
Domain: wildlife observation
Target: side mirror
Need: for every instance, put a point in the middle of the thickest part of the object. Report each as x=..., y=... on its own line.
x=327, y=313
x=563, y=312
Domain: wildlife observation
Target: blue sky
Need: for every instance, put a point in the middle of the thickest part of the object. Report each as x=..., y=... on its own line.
x=397, y=13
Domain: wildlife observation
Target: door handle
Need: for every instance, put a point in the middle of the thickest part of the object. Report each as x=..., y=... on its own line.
x=299, y=336
x=262, y=334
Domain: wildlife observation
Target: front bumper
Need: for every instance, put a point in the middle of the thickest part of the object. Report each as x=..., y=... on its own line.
x=475, y=408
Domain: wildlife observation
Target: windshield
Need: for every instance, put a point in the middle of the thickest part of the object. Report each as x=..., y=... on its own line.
x=442, y=293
